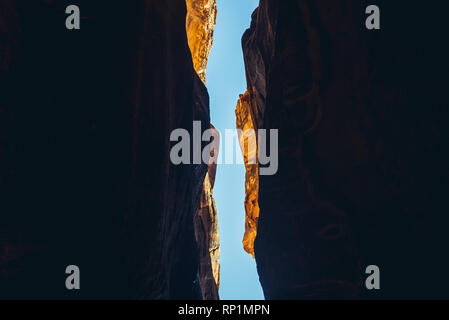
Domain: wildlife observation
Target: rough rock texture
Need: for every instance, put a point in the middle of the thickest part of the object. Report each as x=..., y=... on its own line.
x=363, y=176
x=201, y=19
x=85, y=175
x=207, y=234
x=249, y=150
x=200, y=23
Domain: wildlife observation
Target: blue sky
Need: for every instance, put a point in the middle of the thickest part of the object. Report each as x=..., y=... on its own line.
x=225, y=81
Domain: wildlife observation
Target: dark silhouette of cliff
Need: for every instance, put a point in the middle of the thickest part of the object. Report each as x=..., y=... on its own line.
x=363, y=153
x=85, y=175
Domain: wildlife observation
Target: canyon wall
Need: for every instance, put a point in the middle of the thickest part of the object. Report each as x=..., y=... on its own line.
x=200, y=23
x=363, y=176
x=85, y=174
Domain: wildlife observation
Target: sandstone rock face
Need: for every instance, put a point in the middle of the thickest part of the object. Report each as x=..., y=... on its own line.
x=85, y=173
x=201, y=19
x=249, y=150
x=200, y=23
x=363, y=177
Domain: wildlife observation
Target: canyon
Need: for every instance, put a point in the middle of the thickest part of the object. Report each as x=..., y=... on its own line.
x=85, y=171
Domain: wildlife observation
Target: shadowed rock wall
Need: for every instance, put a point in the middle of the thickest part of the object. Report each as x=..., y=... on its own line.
x=207, y=233
x=85, y=175
x=363, y=153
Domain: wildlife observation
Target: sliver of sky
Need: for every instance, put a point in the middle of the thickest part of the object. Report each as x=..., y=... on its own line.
x=225, y=81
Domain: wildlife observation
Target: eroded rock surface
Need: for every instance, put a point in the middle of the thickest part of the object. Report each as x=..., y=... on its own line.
x=201, y=19
x=249, y=150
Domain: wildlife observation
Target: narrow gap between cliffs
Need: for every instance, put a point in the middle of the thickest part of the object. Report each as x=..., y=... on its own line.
x=226, y=80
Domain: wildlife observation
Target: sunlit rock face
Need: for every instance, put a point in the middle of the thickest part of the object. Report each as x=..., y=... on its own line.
x=249, y=150
x=200, y=23
x=363, y=176
x=85, y=171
